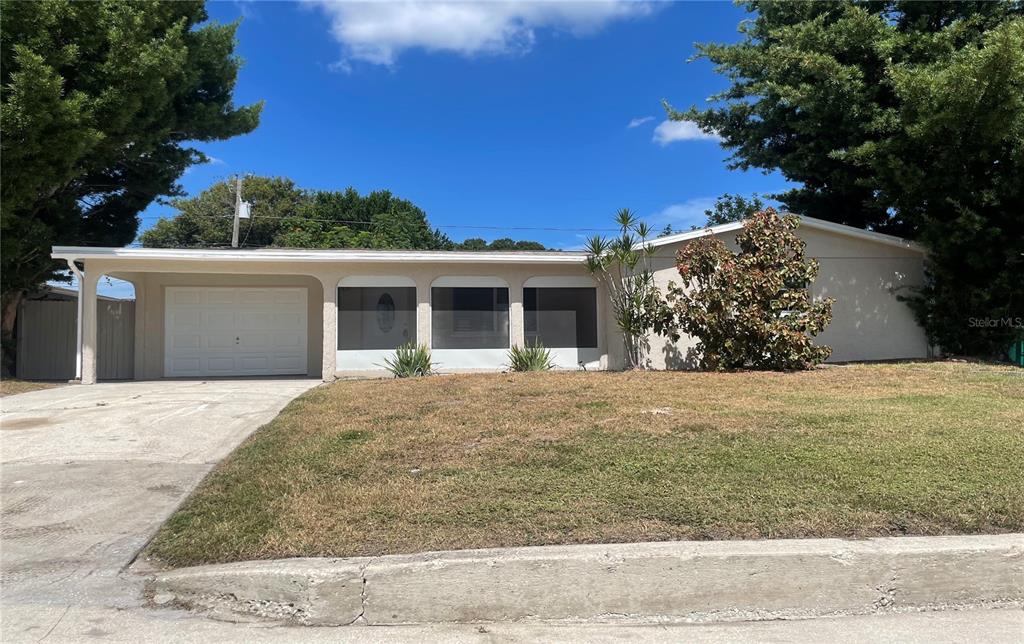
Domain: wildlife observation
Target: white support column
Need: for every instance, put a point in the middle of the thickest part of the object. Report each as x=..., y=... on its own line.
x=87, y=295
x=78, y=320
x=330, y=326
x=423, y=314
x=515, y=311
x=139, y=368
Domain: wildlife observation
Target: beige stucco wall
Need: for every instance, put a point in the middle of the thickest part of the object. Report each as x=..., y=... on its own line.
x=868, y=322
x=150, y=279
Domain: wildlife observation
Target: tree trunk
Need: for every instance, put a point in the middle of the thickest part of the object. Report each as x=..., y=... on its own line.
x=7, y=319
x=632, y=357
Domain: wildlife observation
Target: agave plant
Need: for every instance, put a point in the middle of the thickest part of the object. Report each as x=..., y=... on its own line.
x=532, y=357
x=410, y=360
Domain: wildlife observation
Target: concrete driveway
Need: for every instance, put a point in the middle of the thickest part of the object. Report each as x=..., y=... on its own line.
x=88, y=474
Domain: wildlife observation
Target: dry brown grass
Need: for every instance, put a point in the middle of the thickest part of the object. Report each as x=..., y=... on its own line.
x=11, y=386
x=370, y=467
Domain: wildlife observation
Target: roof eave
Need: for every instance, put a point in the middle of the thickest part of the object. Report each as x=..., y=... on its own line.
x=810, y=222
x=80, y=253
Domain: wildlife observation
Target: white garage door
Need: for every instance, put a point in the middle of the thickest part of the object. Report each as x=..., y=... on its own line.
x=217, y=331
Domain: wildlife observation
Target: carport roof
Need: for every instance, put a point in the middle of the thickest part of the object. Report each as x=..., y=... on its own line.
x=292, y=255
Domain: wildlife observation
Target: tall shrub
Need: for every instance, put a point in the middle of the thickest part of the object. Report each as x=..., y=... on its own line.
x=623, y=265
x=752, y=308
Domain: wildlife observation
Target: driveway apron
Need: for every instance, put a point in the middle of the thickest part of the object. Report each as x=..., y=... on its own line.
x=88, y=474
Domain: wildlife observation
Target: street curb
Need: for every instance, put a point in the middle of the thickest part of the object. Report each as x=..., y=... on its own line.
x=667, y=581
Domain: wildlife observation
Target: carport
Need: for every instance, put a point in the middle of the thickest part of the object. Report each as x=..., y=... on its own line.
x=207, y=314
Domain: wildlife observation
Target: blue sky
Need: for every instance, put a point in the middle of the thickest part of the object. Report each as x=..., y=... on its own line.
x=509, y=116
x=489, y=114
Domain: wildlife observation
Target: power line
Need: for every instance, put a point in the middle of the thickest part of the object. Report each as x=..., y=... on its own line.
x=465, y=226
x=370, y=223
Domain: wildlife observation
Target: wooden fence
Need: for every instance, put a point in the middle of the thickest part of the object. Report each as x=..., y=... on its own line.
x=47, y=336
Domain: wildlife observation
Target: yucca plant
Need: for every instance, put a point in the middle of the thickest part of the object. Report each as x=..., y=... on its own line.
x=532, y=357
x=410, y=360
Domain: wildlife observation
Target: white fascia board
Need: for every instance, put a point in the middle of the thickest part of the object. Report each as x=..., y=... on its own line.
x=560, y=281
x=74, y=253
x=468, y=281
x=376, y=281
x=693, y=234
x=810, y=222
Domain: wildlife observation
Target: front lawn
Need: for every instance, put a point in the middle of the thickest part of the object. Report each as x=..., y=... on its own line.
x=380, y=467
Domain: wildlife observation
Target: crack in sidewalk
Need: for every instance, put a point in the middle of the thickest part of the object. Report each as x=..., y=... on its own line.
x=360, y=618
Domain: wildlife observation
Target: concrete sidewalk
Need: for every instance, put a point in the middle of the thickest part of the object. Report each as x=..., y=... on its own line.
x=672, y=581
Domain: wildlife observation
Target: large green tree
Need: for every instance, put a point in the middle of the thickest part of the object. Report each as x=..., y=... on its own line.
x=346, y=219
x=288, y=216
x=901, y=117
x=97, y=103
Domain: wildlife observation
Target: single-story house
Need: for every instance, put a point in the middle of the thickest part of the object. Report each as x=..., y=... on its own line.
x=239, y=312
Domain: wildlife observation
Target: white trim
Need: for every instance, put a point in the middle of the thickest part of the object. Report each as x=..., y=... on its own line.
x=468, y=281
x=362, y=359
x=482, y=359
x=72, y=253
x=692, y=234
x=560, y=281
x=571, y=357
x=809, y=222
x=374, y=281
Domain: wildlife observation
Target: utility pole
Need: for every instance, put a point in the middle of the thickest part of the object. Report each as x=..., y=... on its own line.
x=238, y=208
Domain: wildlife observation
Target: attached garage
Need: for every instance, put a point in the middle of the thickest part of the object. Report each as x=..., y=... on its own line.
x=235, y=331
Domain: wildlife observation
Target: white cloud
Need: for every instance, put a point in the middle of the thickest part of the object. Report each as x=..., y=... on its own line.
x=247, y=9
x=377, y=32
x=343, y=66
x=682, y=215
x=669, y=131
x=637, y=122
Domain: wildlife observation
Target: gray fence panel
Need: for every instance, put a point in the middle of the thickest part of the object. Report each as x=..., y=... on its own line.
x=115, y=337
x=47, y=336
x=46, y=340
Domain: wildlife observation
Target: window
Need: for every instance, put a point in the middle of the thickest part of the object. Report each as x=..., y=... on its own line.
x=561, y=317
x=469, y=317
x=376, y=317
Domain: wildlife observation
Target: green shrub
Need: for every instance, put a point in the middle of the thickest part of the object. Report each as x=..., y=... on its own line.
x=410, y=360
x=532, y=357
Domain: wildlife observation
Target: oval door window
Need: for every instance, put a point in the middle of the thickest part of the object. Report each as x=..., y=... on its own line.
x=385, y=313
